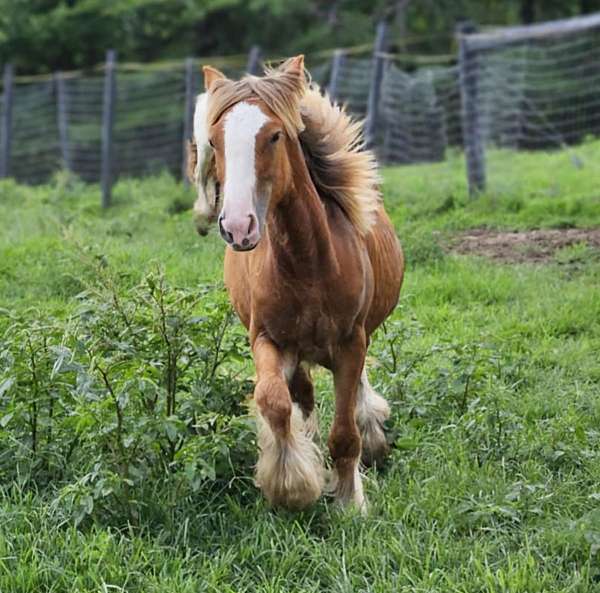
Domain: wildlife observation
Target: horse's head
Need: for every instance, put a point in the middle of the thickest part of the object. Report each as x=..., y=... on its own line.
x=201, y=170
x=252, y=125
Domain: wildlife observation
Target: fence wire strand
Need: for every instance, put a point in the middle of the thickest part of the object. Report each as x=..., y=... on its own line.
x=539, y=94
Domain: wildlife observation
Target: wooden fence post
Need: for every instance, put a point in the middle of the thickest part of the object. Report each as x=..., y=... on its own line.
x=188, y=118
x=375, y=88
x=469, y=92
x=6, y=123
x=62, y=120
x=108, y=119
x=336, y=68
x=388, y=137
x=253, y=64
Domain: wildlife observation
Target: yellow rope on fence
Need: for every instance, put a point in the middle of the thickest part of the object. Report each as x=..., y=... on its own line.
x=230, y=61
x=419, y=60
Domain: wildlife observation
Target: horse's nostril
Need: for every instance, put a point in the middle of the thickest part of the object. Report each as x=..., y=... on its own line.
x=245, y=243
x=252, y=224
x=227, y=236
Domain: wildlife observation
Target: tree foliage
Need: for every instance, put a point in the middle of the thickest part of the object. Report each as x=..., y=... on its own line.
x=45, y=35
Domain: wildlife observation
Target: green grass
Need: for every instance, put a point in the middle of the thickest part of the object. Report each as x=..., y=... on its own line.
x=492, y=371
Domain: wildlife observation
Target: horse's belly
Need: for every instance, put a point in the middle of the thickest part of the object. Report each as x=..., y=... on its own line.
x=387, y=261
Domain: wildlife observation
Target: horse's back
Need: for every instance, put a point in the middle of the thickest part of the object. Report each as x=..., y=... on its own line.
x=387, y=261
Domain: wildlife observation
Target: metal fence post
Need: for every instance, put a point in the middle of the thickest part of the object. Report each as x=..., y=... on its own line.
x=336, y=69
x=62, y=120
x=108, y=119
x=6, y=123
x=188, y=118
x=253, y=64
x=469, y=92
x=376, y=80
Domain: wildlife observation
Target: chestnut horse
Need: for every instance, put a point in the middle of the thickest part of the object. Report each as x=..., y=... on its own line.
x=313, y=266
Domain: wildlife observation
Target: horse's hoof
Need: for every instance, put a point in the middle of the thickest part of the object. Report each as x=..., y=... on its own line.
x=375, y=447
x=349, y=493
x=370, y=419
x=289, y=472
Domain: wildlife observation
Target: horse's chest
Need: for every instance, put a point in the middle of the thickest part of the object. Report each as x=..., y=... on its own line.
x=306, y=326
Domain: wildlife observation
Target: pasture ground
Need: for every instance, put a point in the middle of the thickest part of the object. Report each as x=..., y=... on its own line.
x=492, y=370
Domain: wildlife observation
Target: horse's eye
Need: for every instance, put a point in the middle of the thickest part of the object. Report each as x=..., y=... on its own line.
x=275, y=137
x=211, y=143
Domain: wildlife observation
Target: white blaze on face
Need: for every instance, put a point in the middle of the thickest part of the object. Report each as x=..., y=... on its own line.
x=242, y=124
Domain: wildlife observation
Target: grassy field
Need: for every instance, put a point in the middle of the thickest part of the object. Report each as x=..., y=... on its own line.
x=492, y=371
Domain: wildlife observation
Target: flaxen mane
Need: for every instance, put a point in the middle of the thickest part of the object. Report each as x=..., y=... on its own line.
x=340, y=166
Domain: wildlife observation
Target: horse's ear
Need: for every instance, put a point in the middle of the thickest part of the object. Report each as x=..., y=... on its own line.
x=211, y=75
x=294, y=65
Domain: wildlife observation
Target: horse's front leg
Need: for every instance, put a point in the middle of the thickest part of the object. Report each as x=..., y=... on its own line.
x=344, y=438
x=303, y=394
x=289, y=469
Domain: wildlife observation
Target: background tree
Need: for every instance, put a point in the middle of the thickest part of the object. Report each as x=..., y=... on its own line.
x=44, y=35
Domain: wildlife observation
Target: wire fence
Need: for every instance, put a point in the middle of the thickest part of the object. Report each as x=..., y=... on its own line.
x=421, y=115
x=504, y=93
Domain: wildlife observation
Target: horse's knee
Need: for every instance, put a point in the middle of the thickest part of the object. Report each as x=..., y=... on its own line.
x=344, y=442
x=274, y=404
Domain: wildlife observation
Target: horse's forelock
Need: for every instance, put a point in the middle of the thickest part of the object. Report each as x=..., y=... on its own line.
x=281, y=91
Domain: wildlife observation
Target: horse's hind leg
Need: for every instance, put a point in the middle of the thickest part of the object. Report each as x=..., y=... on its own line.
x=345, y=439
x=289, y=469
x=303, y=393
x=371, y=412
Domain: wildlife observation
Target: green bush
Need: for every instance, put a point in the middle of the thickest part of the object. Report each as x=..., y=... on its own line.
x=139, y=384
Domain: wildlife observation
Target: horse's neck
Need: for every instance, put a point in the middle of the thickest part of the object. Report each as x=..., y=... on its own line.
x=299, y=232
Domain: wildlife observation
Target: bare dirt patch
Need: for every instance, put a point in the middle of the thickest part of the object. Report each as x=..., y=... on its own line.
x=522, y=246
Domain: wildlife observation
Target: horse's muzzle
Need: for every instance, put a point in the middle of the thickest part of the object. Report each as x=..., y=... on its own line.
x=241, y=232
x=236, y=247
